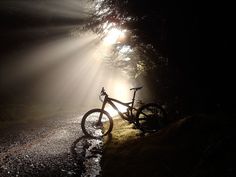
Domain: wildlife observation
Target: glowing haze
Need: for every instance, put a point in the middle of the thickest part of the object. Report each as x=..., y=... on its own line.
x=65, y=71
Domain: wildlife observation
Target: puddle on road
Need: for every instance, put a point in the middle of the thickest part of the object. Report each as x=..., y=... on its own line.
x=93, y=157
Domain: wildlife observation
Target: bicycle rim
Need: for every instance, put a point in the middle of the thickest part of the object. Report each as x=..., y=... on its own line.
x=91, y=125
x=150, y=118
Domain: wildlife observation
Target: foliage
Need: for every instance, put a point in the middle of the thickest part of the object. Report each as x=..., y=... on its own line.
x=143, y=25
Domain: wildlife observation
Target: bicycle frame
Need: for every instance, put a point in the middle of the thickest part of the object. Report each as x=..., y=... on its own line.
x=111, y=100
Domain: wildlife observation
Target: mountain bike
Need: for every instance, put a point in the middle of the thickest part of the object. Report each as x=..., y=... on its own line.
x=148, y=118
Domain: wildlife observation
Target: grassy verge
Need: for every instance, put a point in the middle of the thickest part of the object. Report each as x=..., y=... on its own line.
x=180, y=149
x=127, y=152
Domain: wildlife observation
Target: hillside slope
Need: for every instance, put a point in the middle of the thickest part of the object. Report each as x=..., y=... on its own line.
x=200, y=145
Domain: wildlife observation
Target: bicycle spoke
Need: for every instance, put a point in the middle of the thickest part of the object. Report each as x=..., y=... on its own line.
x=149, y=117
x=91, y=125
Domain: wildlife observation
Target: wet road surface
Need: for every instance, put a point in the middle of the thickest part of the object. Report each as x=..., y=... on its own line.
x=55, y=147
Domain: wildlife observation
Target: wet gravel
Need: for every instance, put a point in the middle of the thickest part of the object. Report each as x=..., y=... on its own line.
x=55, y=147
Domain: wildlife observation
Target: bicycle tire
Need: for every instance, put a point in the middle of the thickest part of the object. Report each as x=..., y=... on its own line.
x=151, y=117
x=89, y=121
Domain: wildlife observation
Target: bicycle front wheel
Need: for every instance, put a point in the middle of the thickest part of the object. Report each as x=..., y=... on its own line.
x=151, y=117
x=91, y=125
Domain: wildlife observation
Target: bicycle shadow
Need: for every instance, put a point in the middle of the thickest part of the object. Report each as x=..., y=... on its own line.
x=87, y=153
x=83, y=144
x=79, y=155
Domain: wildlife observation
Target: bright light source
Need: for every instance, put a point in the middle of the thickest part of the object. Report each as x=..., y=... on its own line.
x=114, y=35
x=126, y=59
x=125, y=49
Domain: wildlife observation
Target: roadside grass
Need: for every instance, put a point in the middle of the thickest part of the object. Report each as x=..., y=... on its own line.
x=176, y=150
x=128, y=152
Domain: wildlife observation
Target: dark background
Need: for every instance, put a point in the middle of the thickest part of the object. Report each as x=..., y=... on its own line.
x=196, y=37
x=200, y=50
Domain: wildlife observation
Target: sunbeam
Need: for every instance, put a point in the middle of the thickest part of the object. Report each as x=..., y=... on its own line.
x=68, y=73
x=65, y=71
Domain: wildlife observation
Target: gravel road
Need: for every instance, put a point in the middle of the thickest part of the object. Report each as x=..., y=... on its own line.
x=55, y=147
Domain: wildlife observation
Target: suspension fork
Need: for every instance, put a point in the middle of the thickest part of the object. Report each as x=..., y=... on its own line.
x=103, y=107
x=133, y=99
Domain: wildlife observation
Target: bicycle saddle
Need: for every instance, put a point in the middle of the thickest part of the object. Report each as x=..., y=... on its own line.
x=136, y=88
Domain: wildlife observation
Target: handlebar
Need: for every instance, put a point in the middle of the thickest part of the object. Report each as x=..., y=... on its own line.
x=103, y=92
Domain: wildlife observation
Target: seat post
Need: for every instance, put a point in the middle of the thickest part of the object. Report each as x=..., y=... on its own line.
x=135, y=90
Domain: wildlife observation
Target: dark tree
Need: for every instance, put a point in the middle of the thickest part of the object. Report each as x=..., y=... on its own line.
x=195, y=38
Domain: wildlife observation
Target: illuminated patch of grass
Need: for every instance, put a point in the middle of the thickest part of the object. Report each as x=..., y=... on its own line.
x=122, y=132
x=128, y=153
x=120, y=150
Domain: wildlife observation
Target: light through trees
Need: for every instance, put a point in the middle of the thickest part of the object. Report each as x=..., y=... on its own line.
x=114, y=36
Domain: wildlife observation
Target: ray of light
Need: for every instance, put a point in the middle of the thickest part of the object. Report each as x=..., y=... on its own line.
x=65, y=72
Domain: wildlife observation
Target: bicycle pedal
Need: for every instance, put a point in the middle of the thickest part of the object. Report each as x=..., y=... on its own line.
x=130, y=121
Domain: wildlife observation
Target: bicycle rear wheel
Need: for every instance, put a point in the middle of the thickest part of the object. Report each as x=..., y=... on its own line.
x=92, y=127
x=151, y=117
